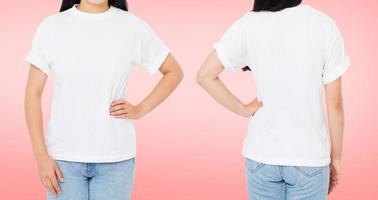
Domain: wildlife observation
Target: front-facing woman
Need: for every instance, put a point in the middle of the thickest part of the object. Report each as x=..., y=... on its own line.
x=294, y=52
x=90, y=48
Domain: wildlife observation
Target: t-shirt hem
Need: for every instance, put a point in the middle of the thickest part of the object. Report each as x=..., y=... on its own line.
x=223, y=57
x=35, y=60
x=92, y=159
x=159, y=60
x=289, y=161
x=338, y=72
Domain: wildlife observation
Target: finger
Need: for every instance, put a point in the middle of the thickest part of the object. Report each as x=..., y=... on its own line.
x=117, y=107
x=330, y=189
x=59, y=173
x=333, y=185
x=119, y=101
x=335, y=177
x=49, y=187
x=330, y=186
x=338, y=176
x=55, y=184
x=119, y=112
x=121, y=116
x=337, y=182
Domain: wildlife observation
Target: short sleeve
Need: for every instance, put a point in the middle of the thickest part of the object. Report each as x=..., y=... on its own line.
x=37, y=53
x=152, y=51
x=336, y=62
x=231, y=49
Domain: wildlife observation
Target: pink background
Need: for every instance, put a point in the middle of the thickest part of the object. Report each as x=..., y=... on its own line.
x=189, y=147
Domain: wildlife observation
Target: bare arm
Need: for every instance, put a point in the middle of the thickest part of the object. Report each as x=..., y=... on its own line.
x=48, y=169
x=33, y=109
x=208, y=78
x=172, y=76
x=335, y=110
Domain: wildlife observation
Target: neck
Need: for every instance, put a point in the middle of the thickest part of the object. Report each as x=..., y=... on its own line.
x=89, y=7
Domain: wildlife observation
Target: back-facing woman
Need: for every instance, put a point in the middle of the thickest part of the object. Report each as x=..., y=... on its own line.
x=294, y=51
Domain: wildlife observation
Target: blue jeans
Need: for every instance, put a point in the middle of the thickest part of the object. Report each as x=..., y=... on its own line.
x=95, y=181
x=275, y=182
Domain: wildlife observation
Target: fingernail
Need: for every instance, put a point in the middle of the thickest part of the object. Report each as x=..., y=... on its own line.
x=61, y=179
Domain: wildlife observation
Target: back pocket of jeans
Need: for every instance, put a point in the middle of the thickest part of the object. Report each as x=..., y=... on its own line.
x=309, y=171
x=253, y=166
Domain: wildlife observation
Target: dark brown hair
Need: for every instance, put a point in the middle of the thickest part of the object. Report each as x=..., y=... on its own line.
x=272, y=5
x=67, y=4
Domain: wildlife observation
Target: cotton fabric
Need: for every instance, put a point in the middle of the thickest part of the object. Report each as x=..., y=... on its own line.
x=293, y=53
x=91, y=55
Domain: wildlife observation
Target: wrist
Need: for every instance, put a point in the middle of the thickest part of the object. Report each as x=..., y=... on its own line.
x=39, y=150
x=41, y=155
x=142, y=109
x=335, y=157
x=242, y=109
x=335, y=160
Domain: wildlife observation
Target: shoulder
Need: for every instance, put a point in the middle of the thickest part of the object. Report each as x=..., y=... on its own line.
x=322, y=17
x=46, y=24
x=329, y=25
x=52, y=20
x=251, y=18
x=247, y=17
x=241, y=21
x=132, y=23
x=130, y=18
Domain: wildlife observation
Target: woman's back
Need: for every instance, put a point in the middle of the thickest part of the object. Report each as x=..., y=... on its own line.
x=292, y=53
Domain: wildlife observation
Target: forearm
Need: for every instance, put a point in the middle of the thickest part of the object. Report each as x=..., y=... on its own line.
x=222, y=95
x=336, y=128
x=34, y=122
x=161, y=91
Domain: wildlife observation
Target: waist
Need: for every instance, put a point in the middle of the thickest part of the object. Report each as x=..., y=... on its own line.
x=88, y=121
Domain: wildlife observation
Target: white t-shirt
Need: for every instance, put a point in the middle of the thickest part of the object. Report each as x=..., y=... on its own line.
x=91, y=56
x=292, y=54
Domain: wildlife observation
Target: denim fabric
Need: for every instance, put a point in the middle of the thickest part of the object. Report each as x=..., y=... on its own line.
x=95, y=181
x=276, y=182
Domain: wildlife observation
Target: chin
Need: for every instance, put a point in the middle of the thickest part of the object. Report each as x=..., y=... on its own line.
x=97, y=1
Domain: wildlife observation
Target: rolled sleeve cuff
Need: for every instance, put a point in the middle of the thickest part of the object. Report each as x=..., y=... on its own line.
x=158, y=61
x=223, y=57
x=37, y=61
x=337, y=72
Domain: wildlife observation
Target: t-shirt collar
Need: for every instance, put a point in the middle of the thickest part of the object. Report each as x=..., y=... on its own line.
x=91, y=16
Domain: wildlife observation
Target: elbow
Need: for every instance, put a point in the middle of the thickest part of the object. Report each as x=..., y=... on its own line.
x=180, y=75
x=31, y=97
x=175, y=74
x=202, y=78
x=199, y=78
x=32, y=93
x=336, y=107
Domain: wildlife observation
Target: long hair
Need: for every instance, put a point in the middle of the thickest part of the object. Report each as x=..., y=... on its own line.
x=274, y=6
x=67, y=4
